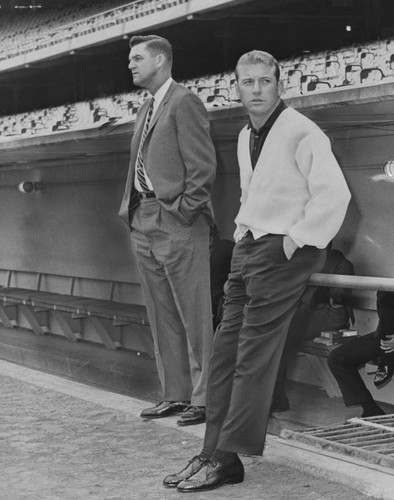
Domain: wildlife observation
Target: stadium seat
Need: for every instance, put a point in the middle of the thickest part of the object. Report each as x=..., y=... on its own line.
x=371, y=75
x=334, y=73
x=367, y=59
x=352, y=74
x=318, y=85
x=233, y=93
x=293, y=84
x=217, y=100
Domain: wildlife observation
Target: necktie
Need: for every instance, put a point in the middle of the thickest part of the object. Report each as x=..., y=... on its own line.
x=140, y=161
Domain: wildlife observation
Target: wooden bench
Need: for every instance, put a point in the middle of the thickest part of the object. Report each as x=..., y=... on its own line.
x=316, y=356
x=31, y=301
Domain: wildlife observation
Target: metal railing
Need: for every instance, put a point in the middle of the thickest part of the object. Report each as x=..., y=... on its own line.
x=354, y=282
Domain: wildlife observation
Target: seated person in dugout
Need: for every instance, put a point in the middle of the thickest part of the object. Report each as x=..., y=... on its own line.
x=321, y=309
x=221, y=251
x=345, y=361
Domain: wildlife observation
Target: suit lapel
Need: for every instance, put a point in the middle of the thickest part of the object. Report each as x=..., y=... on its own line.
x=161, y=107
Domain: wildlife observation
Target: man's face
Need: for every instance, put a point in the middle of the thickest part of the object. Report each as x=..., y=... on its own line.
x=258, y=88
x=143, y=65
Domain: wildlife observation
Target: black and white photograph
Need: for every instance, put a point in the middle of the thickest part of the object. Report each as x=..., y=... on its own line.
x=196, y=254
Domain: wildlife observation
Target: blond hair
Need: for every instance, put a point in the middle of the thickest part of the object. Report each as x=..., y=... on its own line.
x=258, y=57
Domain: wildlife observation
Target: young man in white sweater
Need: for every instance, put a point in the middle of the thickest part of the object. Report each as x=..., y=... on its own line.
x=294, y=199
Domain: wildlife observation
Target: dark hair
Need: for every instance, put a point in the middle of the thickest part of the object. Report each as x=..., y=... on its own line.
x=156, y=45
x=258, y=57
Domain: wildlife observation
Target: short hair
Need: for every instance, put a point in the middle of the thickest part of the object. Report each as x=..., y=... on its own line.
x=155, y=44
x=258, y=57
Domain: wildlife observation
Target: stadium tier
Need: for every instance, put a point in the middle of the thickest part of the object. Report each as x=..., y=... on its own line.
x=43, y=37
x=46, y=32
x=328, y=71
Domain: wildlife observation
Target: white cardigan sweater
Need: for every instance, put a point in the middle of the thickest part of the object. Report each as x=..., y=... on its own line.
x=297, y=187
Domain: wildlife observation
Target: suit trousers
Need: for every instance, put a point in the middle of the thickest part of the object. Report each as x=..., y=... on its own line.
x=344, y=363
x=173, y=263
x=261, y=296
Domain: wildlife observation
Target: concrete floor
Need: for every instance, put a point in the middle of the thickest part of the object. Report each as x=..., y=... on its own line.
x=62, y=440
x=135, y=375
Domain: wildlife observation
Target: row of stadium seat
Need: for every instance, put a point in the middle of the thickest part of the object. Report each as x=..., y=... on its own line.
x=25, y=35
x=330, y=70
x=347, y=66
x=22, y=31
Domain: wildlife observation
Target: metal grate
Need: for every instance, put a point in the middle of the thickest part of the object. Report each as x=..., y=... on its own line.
x=370, y=439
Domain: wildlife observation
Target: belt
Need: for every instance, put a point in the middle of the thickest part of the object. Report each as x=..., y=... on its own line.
x=146, y=194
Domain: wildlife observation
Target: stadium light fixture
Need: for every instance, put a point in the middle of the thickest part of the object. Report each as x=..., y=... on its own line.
x=29, y=187
x=388, y=169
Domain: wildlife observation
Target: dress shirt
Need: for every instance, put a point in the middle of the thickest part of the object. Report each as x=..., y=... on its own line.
x=257, y=137
x=159, y=96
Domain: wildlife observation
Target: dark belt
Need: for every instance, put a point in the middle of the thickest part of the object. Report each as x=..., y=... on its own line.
x=149, y=194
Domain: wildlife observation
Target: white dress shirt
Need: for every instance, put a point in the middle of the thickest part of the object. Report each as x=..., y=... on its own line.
x=159, y=96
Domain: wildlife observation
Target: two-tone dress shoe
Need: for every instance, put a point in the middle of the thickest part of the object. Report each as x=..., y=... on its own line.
x=195, y=464
x=192, y=415
x=383, y=374
x=165, y=409
x=212, y=475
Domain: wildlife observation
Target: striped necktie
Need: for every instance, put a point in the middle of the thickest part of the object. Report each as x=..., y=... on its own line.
x=140, y=161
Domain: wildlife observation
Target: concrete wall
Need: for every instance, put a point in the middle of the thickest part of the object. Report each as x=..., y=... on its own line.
x=71, y=226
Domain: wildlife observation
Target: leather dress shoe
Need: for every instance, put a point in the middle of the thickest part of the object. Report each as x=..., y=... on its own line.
x=383, y=374
x=212, y=475
x=164, y=409
x=195, y=464
x=192, y=415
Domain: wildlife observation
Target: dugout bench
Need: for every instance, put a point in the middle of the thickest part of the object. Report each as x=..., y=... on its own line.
x=102, y=314
x=105, y=314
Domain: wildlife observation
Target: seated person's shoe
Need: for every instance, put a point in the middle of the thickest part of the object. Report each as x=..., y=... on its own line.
x=165, y=409
x=383, y=374
x=192, y=415
x=195, y=464
x=212, y=475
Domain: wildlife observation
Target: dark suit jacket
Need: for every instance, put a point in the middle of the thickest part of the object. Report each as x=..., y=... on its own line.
x=179, y=157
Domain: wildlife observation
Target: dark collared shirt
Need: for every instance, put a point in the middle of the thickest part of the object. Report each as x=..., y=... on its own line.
x=258, y=137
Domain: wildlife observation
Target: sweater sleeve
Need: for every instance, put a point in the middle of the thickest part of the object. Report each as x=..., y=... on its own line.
x=329, y=194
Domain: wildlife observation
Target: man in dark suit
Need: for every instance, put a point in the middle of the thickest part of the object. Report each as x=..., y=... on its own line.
x=220, y=264
x=167, y=206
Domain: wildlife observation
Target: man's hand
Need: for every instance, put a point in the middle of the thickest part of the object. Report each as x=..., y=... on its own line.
x=388, y=344
x=289, y=247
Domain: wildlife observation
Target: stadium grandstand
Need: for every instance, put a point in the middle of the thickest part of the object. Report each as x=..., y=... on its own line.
x=36, y=40
x=67, y=112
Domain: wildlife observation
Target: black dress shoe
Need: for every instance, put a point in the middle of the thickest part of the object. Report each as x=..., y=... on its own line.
x=165, y=409
x=195, y=464
x=383, y=374
x=192, y=415
x=212, y=475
